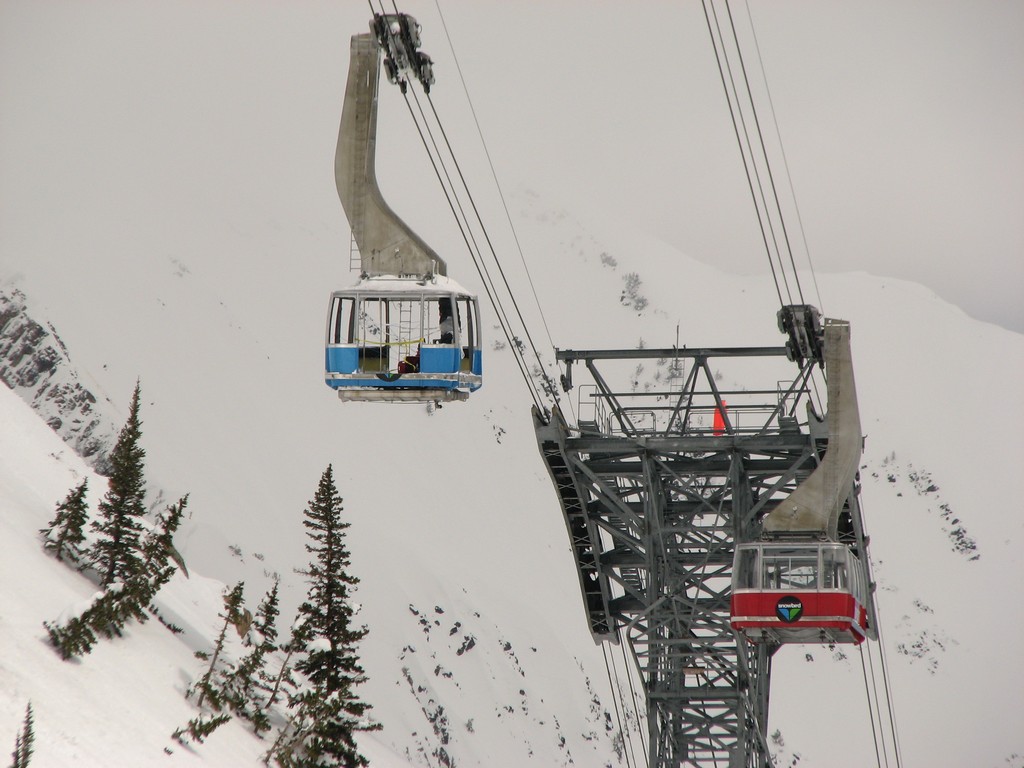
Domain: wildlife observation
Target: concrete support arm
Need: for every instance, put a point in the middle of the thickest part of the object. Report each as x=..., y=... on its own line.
x=815, y=505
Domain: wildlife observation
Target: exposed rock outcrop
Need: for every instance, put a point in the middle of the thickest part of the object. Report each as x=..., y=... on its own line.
x=35, y=363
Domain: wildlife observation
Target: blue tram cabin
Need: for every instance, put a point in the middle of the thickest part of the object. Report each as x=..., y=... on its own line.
x=399, y=339
x=799, y=592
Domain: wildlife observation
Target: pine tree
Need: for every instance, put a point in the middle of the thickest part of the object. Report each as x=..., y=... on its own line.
x=328, y=657
x=209, y=688
x=158, y=548
x=106, y=616
x=330, y=664
x=248, y=691
x=266, y=618
x=75, y=638
x=116, y=552
x=23, y=741
x=199, y=727
x=285, y=685
x=65, y=535
x=133, y=562
x=325, y=735
x=287, y=749
x=158, y=552
x=121, y=602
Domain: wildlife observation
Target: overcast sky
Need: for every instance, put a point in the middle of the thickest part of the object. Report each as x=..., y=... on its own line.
x=902, y=124
x=901, y=121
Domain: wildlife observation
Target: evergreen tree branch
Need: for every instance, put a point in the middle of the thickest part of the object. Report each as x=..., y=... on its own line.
x=24, y=741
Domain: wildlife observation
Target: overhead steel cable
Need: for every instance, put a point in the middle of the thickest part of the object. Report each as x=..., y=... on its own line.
x=722, y=62
x=616, y=698
x=548, y=385
x=475, y=250
x=753, y=156
x=785, y=159
x=890, y=706
x=871, y=708
x=898, y=750
x=494, y=174
x=632, y=691
x=464, y=224
x=764, y=152
x=765, y=213
x=737, y=114
x=480, y=267
x=878, y=707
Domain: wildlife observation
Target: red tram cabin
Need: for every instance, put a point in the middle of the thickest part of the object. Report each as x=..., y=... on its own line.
x=799, y=592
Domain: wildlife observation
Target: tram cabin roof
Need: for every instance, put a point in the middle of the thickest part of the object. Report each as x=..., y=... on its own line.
x=433, y=285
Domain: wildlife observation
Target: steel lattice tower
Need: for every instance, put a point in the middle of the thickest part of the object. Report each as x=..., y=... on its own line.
x=656, y=486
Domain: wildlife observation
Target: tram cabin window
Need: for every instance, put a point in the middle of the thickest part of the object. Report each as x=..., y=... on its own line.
x=790, y=568
x=372, y=322
x=439, y=324
x=746, y=568
x=833, y=568
x=467, y=321
x=826, y=566
x=342, y=313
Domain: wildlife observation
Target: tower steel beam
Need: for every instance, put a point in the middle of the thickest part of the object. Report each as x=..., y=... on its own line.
x=656, y=487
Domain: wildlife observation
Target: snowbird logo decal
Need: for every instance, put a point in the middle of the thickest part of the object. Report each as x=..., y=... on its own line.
x=789, y=609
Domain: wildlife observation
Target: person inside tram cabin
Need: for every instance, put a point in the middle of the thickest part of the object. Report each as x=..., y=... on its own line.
x=446, y=329
x=447, y=324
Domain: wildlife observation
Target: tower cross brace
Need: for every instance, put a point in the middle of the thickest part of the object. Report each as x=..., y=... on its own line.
x=656, y=486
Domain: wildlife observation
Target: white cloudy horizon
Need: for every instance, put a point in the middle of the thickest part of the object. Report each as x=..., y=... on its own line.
x=901, y=121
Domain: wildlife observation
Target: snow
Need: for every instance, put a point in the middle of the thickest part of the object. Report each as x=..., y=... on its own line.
x=444, y=591
x=414, y=285
x=200, y=261
x=320, y=644
x=118, y=704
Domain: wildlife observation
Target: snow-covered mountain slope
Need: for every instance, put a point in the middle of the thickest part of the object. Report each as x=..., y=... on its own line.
x=193, y=246
x=118, y=705
x=477, y=643
x=459, y=679
x=942, y=433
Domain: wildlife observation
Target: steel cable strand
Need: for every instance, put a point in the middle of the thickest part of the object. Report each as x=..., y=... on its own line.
x=764, y=153
x=643, y=713
x=484, y=271
x=475, y=250
x=447, y=175
x=476, y=258
x=494, y=175
x=478, y=255
x=878, y=710
x=771, y=176
x=616, y=693
x=632, y=692
x=739, y=142
x=785, y=159
x=885, y=666
x=745, y=149
x=871, y=708
x=477, y=262
x=479, y=267
x=897, y=749
x=548, y=385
